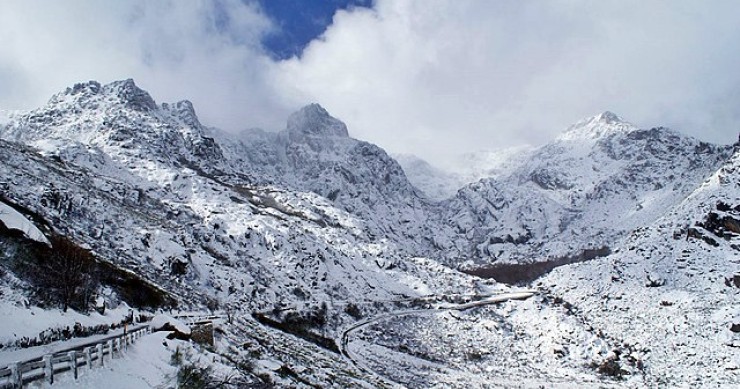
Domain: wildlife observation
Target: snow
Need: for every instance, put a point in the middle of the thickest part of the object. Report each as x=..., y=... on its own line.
x=309, y=217
x=7, y=357
x=7, y=115
x=160, y=321
x=145, y=364
x=13, y=220
x=19, y=322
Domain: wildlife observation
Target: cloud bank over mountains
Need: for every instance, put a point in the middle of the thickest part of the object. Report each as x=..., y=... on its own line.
x=434, y=77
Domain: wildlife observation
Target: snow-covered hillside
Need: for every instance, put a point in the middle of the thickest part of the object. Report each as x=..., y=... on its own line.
x=672, y=290
x=122, y=164
x=436, y=183
x=441, y=184
x=311, y=231
x=580, y=194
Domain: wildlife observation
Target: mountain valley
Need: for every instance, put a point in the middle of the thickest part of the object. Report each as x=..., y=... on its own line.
x=624, y=241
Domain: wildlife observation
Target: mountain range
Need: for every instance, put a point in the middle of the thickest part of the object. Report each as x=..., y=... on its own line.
x=628, y=235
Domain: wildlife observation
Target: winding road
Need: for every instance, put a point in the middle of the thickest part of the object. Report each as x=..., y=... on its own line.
x=359, y=325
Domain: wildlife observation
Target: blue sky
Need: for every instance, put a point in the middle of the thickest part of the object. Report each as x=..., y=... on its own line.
x=435, y=78
x=299, y=22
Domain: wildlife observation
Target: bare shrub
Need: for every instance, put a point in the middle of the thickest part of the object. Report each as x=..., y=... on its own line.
x=66, y=273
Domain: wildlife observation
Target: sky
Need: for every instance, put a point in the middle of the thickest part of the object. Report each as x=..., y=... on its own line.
x=298, y=22
x=435, y=78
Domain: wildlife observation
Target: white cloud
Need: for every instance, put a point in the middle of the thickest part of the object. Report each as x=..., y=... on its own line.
x=204, y=51
x=438, y=77
x=430, y=77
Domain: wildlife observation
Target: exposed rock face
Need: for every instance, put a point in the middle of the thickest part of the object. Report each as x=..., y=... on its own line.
x=313, y=121
x=202, y=333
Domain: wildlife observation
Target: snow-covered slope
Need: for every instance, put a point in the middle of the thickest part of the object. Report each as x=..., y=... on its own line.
x=317, y=229
x=672, y=289
x=315, y=154
x=473, y=166
x=146, y=187
x=581, y=193
x=436, y=183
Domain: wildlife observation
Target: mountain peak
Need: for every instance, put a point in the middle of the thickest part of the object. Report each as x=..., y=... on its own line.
x=81, y=91
x=124, y=91
x=609, y=117
x=90, y=87
x=131, y=95
x=314, y=120
x=185, y=111
x=598, y=126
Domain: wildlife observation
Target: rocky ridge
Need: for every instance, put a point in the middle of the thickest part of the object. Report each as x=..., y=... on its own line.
x=583, y=192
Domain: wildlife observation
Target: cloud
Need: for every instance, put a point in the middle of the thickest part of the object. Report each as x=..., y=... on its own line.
x=438, y=77
x=429, y=77
x=205, y=51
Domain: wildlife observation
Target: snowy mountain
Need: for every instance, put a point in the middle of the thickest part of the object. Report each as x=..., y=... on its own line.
x=128, y=153
x=671, y=290
x=315, y=154
x=579, y=195
x=441, y=184
x=324, y=237
x=474, y=166
x=435, y=183
x=146, y=189
x=118, y=120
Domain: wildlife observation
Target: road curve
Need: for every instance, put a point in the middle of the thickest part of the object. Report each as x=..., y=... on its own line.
x=347, y=332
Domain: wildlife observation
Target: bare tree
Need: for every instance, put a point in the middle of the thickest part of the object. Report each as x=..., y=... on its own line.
x=68, y=273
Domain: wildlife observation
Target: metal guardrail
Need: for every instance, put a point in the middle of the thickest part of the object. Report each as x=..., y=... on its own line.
x=20, y=373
